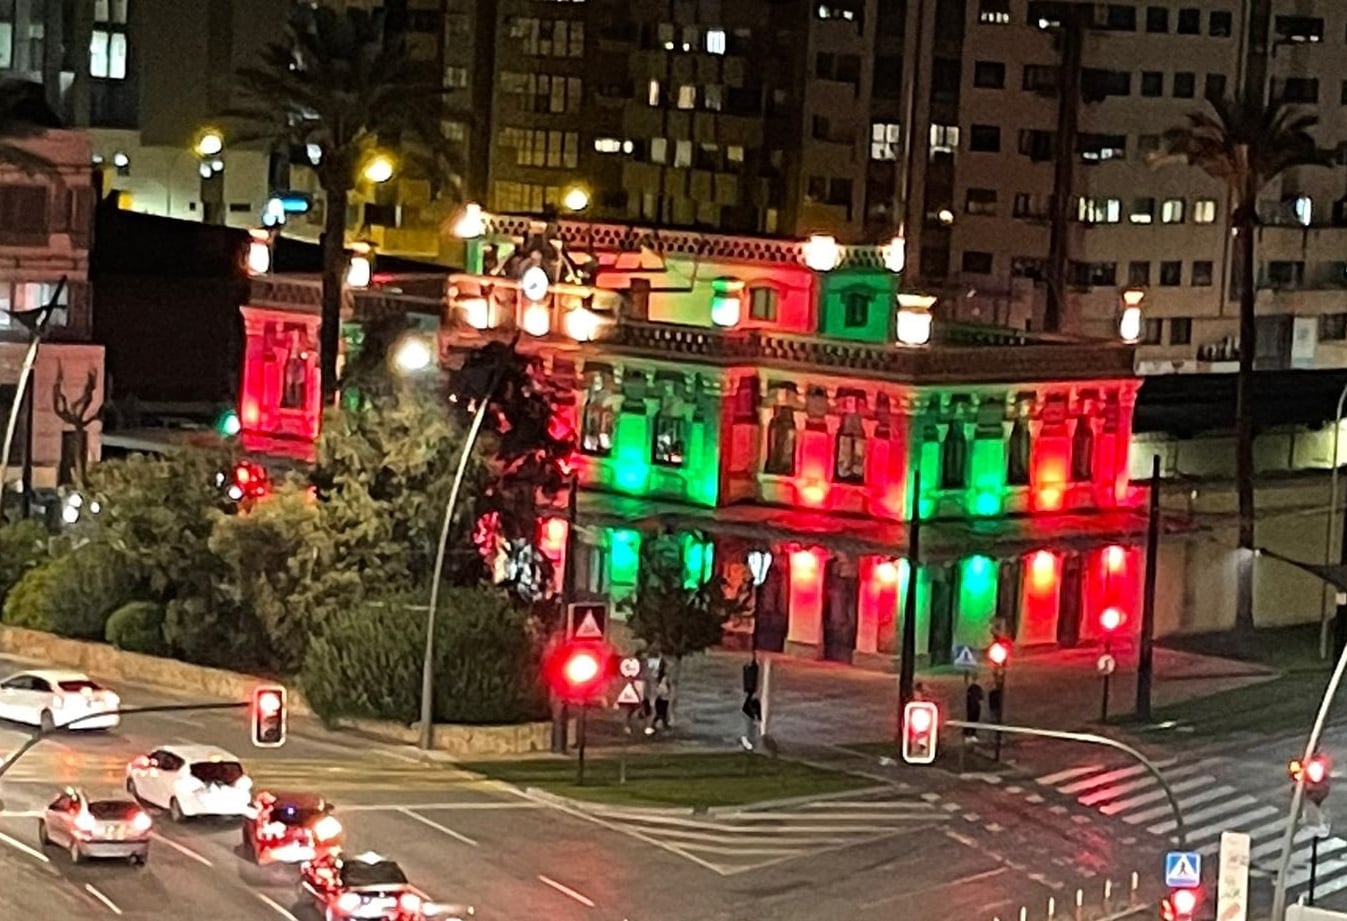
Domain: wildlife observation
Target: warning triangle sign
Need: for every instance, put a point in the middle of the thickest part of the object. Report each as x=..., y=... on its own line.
x=965, y=658
x=630, y=695
x=588, y=628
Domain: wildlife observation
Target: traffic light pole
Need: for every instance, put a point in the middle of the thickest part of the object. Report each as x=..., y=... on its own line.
x=1090, y=738
x=1314, y=867
x=907, y=665
x=1146, y=660
x=580, y=733
x=1108, y=674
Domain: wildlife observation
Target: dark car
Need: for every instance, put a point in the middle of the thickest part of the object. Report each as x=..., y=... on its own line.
x=290, y=828
x=369, y=887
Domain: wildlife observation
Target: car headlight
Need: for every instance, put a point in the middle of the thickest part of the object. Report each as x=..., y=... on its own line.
x=348, y=902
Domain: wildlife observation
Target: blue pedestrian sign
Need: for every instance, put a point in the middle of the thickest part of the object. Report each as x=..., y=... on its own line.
x=965, y=659
x=1183, y=869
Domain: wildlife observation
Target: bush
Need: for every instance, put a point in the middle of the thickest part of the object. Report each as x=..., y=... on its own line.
x=210, y=631
x=72, y=595
x=23, y=545
x=138, y=627
x=368, y=663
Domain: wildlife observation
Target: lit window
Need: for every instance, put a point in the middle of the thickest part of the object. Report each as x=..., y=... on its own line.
x=850, y=464
x=652, y=95
x=762, y=303
x=607, y=145
x=780, y=459
x=1204, y=211
x=456, y=78
x=944, y=138
x=884, y=138
x=682, y=153
x=1099, y=210
x=668, y=447
x=1304, y=209
x=1171, y=211
x=596, y=429
x=715, y=41
x=687, y=96
x=1143, y=211
x=659, y=150
x=98, y=54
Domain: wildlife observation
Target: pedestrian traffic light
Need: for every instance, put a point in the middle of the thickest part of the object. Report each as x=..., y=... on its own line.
x=1180, y=905
x=1317, y=774
x=1110, y=619
x=269, y=717
x=246, y=481
x=998, y=653
x=576, y=671
x=921, y=725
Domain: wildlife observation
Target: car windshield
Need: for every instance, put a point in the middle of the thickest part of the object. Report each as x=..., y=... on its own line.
x=113, y=810
x=76, y=686
x=296, y=815
x=385, y=873
x=217, y=772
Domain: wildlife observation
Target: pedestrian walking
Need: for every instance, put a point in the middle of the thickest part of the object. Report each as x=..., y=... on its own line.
x=663, y=691
x=972, y=709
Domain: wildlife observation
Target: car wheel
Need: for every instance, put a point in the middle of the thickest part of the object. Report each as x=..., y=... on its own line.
x=175, y=811
x=47, y=722
x=139, y=860
x=42, y=837
x=249, y=846
x=131, y=788
x=76, y=855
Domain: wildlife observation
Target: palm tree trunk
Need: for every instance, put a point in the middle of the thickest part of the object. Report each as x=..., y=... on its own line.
x=1244, y=417
x=334, y=270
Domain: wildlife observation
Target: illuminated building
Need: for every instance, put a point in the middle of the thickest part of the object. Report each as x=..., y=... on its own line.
x=792, y=421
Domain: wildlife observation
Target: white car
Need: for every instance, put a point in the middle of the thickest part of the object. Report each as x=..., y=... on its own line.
x=191, y=780
x=52, y=699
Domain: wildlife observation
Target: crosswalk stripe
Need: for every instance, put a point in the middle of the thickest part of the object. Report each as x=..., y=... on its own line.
x=1326, y=868
x=1157, y=793
x=1274, y=846
x=1112, y=792
x=1322, y=888
x=1255, y=835
x=1099, y=780
x=1211, y=812
x=1049, y=780
x=1185, y=803
x=1215, y=828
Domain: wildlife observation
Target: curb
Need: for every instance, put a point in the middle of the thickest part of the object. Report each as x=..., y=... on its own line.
x=789, y=801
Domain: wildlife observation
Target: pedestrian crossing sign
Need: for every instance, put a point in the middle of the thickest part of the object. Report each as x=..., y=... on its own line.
x=629, y=696
x=965, y=658
x=1183, y=869
x=586, y=621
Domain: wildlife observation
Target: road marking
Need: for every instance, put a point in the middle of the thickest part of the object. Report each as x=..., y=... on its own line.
x=436, y=807
x=1253, y=815
x=972, y=878
x=1099, y=780
x=566, y=890
x=276, y=906
x=1211, y=812
x=20, y=846
x=1186, y=802
x=1157, y=793
x=112, y=906
x=182, y=849
x=438, y=827
x=1049, y=779
x=1113, y=791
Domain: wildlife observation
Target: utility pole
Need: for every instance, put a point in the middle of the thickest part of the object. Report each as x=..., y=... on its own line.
x=560, y=712
x=907, y=665
x=1146, y=661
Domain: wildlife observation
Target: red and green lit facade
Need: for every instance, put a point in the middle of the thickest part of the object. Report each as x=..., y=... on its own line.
x=719, y=387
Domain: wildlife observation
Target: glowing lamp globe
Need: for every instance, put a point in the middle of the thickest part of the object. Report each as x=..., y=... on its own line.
x=379, y=169
x=914, y=319
x=821, y=252
x=886, y=573
x=1129, y=320
x=895, y=254
x=1316, y=770
x=535, y=283
x=471, y=222
x=476, y=312
x=360, y=268
x=210, y=143
x=575, y=199
x=1110, y=619
x=413, y=354
x=726, y=301
x=1184, y=902
x=537, y=320
x=259, y=252
x=582, y=324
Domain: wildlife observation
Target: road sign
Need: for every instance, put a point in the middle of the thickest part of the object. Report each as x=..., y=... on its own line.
x=1232, y=887
x=1105, y=664
x=965, y=658
x=1183, y=869
x=629, y=667
x=586, y=621
x=630, y=695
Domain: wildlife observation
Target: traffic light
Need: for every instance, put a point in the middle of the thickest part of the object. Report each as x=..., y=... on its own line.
x=1180, y=905
x=921, y=725
x=998, y=653
x=247, y=481
x=1317, y=772
x=577, y=671
x=269, y=717
x=1110, y=619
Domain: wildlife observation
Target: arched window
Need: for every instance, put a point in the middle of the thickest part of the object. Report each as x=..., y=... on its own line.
x=780, y=460
x=1017, y=454
x=849, y=466
x=1082, y=452
x=954, y=459
x=596, y=425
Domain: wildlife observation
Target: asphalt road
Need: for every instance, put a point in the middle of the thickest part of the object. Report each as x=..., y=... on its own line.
x=931, y=846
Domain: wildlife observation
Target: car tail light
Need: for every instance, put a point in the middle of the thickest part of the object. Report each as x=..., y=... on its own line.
x=326, y=828
x=244, y=783
x=109, y=699
x=348, y=901
x=141, y=762
x=409, y=902
x=141, y=821
x=84, y=822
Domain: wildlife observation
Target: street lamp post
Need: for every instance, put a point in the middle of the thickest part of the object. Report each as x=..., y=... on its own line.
x=1328, y=529
x=36, y=322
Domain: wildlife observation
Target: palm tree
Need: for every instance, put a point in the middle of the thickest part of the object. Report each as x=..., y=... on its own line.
x=338, y=87
x=1245, y=144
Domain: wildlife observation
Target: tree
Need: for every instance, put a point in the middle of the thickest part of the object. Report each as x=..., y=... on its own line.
x=677, y=613
x=1246, y=144
x=336, y=86
x=23, y=546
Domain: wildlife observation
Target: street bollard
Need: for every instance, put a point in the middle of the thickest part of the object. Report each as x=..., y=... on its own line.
x=1108, y=893
x=1132, y=895
x=1080, y=904
x=1024, y=913
x=1052, y=907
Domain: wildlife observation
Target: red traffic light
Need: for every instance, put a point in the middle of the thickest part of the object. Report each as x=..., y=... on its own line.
x=921, y=726
x=248, y=481
x=268, y=717
x=998, y=653
x=576, y=671
x=1110, y=619
x=1316, y=770
x=1179, y=905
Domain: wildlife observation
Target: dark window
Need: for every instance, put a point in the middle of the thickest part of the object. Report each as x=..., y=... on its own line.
x=1095, y=148
x=224, y=773
x=1028, y=267
x=1296, y=89
x=1190, y=21
x=976, y=263
x=1171, y=273
x=1040, y=78
x=1298, y=29
x=1185, y=85
x=1082, y=452
x=762, y=303
x=1151, y=331
x=1343, y=97
x=780, y=460
x=23, y=211
x=357, y=873
x=668, y=447
x=984, y=138
x=1017, y=454
x=1215, y=87
x=1094, y=274
x=1333, y=327
x=946, y=75
x=1119, y=18
x=1096, y=84
x=954, y=458
x=980, y=201
x=1037, y=145
x=850, y=462
x=1180, y=331
x=1152, y=83
x=1138, y=274
x=1157, y=19
x=989, y=75
x=1202, y=273
x=857, y=312
x=1220, y=24
x=888, y=76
